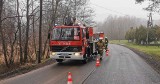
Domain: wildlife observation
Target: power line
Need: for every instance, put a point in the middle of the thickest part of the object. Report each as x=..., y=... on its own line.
x=109, y=9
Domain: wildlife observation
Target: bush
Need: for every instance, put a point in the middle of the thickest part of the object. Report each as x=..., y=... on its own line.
x=140, y=34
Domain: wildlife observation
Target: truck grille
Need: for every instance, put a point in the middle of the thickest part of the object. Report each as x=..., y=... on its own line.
x=66, y=49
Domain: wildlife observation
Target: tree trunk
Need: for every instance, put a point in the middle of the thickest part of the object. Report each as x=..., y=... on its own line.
x=11, y=60
x=27, y=36
x=20, y=34
x=34, y=40
x=1, y=35
x=40, y=34
x=12, y=48
x=34, y=37
x=45, y=46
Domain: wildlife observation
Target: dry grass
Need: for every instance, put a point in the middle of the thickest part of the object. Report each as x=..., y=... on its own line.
x=1, y=59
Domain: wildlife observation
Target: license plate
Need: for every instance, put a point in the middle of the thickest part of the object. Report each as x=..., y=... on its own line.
x=64, y=54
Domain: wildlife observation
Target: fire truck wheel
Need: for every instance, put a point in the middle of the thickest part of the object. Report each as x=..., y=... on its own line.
x=59, y=60
x=85, y=61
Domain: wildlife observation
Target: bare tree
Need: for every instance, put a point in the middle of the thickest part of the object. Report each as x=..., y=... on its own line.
x=20, y=34
x=33, y=27
x=116, y=27
x=2, y=36
x=153, y=7
x=27, y=32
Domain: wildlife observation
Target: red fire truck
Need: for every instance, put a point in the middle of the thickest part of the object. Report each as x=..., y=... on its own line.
x=98, y=35
x=72, y=42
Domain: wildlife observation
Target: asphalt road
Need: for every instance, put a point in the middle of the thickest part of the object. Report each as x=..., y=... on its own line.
x=122, y=66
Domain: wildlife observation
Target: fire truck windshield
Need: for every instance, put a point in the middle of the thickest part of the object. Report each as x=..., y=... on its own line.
x=66, y=34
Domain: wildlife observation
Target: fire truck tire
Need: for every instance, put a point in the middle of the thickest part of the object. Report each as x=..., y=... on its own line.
x=59, y=60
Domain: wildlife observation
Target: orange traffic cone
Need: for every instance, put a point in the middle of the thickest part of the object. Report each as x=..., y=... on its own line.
x=107, y=53
x=97, y=63
x=69, y=78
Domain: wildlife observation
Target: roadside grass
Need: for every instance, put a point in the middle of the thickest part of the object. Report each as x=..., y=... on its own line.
x=154, y=51
x=118, y=41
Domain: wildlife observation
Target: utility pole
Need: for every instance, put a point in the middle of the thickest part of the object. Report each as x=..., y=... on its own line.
x=150, y=22
x=149, y=25
x=40, y=34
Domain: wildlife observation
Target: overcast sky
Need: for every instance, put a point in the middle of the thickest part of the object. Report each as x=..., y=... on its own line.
x=103, y=8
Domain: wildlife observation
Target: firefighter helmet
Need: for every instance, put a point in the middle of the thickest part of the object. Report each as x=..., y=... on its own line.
x=101, y=38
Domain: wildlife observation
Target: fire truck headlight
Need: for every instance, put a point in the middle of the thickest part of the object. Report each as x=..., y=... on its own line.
x=77, y=54
x=53, y=53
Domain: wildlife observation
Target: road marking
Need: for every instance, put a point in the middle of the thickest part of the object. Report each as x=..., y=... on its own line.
x=89, y=75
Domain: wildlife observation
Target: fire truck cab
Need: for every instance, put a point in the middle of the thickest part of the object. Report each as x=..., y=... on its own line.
x=72, y=42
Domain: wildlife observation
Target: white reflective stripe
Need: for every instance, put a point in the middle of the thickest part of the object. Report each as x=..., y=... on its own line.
x=69, y=76
x=69, y=83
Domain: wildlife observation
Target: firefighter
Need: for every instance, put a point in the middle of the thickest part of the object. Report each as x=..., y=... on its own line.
x=106, y=43
x=100, y=47
x=75, y=23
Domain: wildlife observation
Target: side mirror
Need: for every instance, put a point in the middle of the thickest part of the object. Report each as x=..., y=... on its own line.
x=49, y=35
